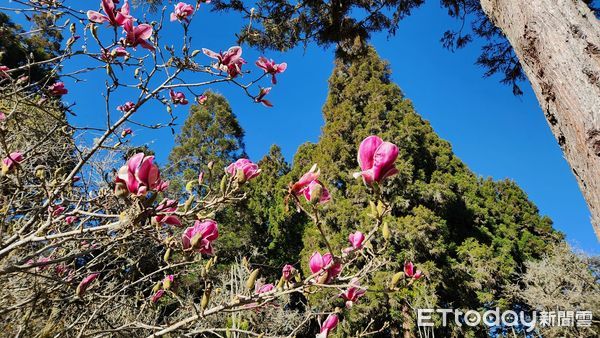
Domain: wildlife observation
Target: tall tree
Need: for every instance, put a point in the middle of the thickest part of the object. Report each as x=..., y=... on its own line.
x=554, y=44
x=471, y=235
x=211, y=134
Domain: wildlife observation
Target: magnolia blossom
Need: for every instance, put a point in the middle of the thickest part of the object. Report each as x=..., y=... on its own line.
x=269, y=66
x=353, y=293
x=287, y=272
x=182, y=12
x=410, y=272
x=315, y=192
x=230, y=61
x=264, y=288
x=57, y=89
x=4, y=71
x=178, y=97
x=139, y=175
x=166, y=208
x=2, y=116
x=201, y=99
x=12, y=161
x=376, y=159
x=157, y=296
x=356, y=241
x=298, y=187
x=138, y=35
x=200, y=237
x=71, y=219
x=126, y=132
x=324, y=266
x=112, y=16
x=85, y=283
x=110, y=56
x=328, y=325
x=126, y=107
x=243, y=169
x=56, y=210
x=260, y=98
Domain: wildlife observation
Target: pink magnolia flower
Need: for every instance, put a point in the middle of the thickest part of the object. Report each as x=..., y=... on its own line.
x=328, y=325
x=140, y=175
x=2, y=116
x=269, y=66
x=265, y=288
x=260, y=98
x=298, y=187
x=353, y=293
x=126, y=132
x=157, y=296
x=356, y=241
x=4, y=71
x=246, y=167
x=201, y=178
x=166, y=208
x=178, y=97
x=182, y=12
x=12, y=161
x=138, y=35
x=201, y=99
x=287, y=272
x=71, y=219
x=111, y=56
x=113, y=16
x=126, y=107
x=230, y=61
x=376, y=159
x=85, y=283
x=316, y=192
x=324, y=265
x=200, y=236
x=57, y=89
x=56, y=210
x=410, y=272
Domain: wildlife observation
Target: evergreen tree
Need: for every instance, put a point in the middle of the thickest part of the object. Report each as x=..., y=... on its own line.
x=211, y=134
x=470, y=235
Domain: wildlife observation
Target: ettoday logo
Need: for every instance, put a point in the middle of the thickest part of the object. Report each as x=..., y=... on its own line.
x=509, y=318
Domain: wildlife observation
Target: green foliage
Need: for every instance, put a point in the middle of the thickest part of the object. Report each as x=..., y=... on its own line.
x=211, y=133
x=18, y=48
x=470, y=235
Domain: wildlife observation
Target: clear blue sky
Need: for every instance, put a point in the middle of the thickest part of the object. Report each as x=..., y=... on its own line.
x=495, y=133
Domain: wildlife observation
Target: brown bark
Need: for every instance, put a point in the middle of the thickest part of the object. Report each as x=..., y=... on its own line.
x=558, y=45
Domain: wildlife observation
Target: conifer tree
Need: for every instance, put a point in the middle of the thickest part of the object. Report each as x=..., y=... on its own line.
x=211, y=133
x=470, y=235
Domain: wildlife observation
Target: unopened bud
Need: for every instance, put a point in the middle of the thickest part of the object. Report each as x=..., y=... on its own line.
x=205, y=299
x=156, y=287
x=195, y=52
x=280, y=284
x=190, y=186
x=121, y=189
x=385, y=231
x=210, y=165
x=316, y=193
x=395, y=279
x=252, y=279
x=40, y=172
x=223, y=185
x=188, y=203
x=167, y=255
x=167, y=284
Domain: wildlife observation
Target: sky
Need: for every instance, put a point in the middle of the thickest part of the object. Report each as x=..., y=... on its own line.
x=495, y=133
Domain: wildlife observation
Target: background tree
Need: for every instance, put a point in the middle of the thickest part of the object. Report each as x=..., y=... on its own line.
x=210, y=133
x=553, y=44
x=562, y=281
x=470, y=235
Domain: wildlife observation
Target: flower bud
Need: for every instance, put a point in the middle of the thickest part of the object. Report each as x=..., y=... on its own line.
x=223, y=185
x=385, y=231
x=156, y=287
x=121, y=189
x=210, y=165
x=316, y=193
x=189, y=186
x=195, y=52
x=167, y=255
x=281, y=283
x=252, y=279
x=395, y=279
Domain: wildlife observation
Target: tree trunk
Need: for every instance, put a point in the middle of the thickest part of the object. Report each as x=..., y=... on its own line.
x=558, y=45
